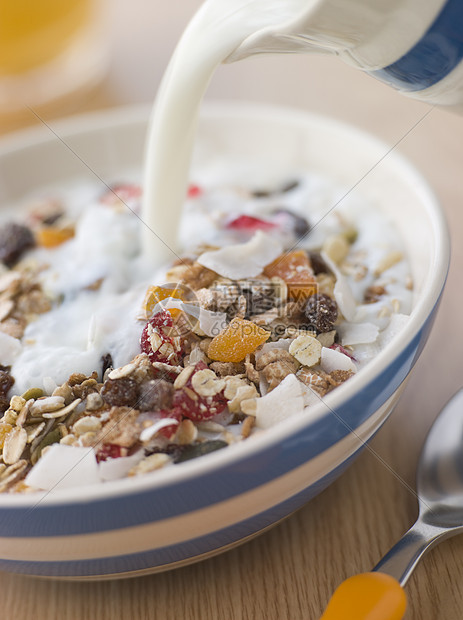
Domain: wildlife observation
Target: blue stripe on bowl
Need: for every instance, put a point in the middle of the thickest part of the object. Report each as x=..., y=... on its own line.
x=223, y=483
x=435, y=55
x=188, y=550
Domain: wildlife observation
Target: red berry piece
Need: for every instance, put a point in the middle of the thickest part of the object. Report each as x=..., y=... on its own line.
x=108, y=451
x=338, y=347
x=194, y=191
x=195, y=406
x=248, y=223
x=158, y=340
x=127, y=193
x=176, y=416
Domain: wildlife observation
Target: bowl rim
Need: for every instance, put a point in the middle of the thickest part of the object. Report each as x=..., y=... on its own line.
x=138, y=114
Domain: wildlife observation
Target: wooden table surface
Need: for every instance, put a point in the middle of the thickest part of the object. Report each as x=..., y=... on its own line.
x=290, y=572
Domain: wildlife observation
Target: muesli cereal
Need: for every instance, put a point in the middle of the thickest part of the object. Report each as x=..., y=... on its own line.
x=113, y=370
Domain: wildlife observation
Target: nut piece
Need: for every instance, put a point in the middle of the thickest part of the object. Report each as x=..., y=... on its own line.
x=182, y=378
x=306, y=349
x=275, y=365
x=206, y=383
x=336, y=247
x=236, y=391
x=150, y=463
x=186, y=432
x=87, y=424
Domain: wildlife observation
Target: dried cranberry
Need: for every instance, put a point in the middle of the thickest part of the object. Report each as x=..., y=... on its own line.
x=155, y=395
x=321, y=311
x=121, y=392
x=108, y=451
x=157, y=342
x=194, y=406
x=14, y=241
x=6, y=381
x=317, y=263
x=122, y=192
x=297, y=224
x=248, y=223
x=338, y=347
x=194, y=191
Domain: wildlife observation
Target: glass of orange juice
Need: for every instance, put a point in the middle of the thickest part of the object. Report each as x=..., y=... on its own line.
x=48, y=49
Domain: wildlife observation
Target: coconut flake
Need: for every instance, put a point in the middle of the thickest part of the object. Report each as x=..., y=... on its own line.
x=64, y=467
x=358, y=333
x=335, y=360
x=243, y=260
x=114, y=469
x=152, y=430
x=10, y=348
x=342, y=291
x=286, y=400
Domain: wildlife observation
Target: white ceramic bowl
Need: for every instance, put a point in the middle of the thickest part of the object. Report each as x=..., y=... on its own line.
x=202, y=507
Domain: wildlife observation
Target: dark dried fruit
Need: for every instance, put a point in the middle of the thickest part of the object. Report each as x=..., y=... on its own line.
x=193, y=451
x=106, y=363
x=321, y=311
x=317, y=262
x=14, y=241
x=6, y=381
x=155, y=395
x=297, y=224
x=4, y=404
x=120, y=392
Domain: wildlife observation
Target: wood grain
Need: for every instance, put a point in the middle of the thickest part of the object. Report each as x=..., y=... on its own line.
x=291, y=571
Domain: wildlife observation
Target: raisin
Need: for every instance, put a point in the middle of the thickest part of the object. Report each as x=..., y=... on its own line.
x=317, y=262
x=106, y=363
x=321, y=311
x=193, y=451
x=155, y=395
x=120, y=392
x=4, y=404
x=14, y=241
x=6, y=381
x=297, y=224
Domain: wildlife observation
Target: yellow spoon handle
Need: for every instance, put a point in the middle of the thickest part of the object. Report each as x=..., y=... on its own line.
x=368, y=596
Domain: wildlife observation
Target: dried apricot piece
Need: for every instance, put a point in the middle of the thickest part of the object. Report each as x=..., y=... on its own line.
x=237, y=340
x=155, y=294
x=295, y=269
x=51, y=236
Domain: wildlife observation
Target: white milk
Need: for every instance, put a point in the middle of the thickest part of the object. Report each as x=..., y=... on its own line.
x=216, y=30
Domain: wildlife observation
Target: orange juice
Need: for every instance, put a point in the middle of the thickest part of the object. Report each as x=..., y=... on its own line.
x=34, y=32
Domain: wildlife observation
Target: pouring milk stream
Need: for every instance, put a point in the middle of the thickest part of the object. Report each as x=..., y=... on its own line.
x=414, y=46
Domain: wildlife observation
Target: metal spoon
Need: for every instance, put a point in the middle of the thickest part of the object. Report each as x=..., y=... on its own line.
x=439, y=488
x=440, y=495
